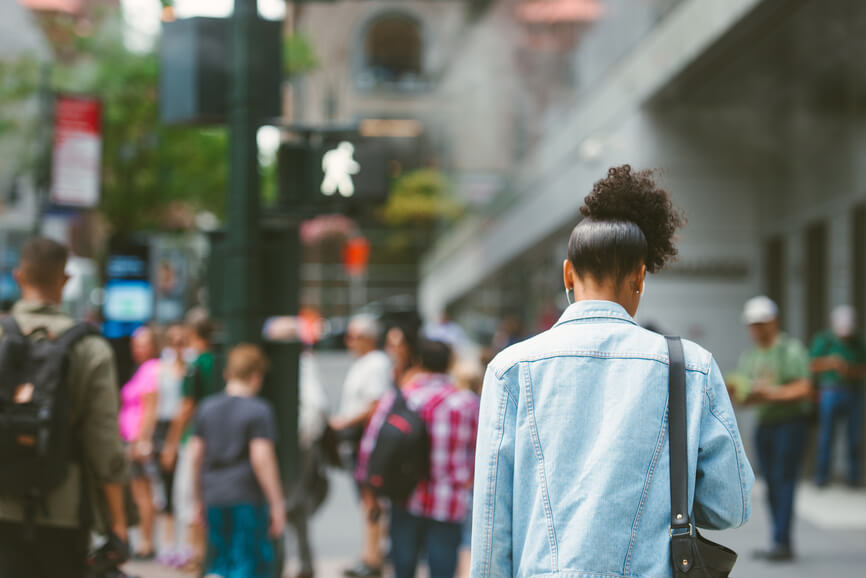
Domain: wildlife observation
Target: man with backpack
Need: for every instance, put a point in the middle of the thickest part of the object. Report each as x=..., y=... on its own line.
x=428, y=514
x=61, y=456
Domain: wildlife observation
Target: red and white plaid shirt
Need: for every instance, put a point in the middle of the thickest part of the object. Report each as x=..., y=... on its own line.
x=451, y=416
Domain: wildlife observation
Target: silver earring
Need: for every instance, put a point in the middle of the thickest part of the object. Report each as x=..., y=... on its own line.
x=568, y=295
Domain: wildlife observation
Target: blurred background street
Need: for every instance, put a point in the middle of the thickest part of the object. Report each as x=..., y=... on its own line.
x=264, y=171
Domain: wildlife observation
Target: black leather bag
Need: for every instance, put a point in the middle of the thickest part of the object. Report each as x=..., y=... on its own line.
x=692, y=555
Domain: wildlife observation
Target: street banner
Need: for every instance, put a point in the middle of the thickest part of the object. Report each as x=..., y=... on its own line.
x=77, y=151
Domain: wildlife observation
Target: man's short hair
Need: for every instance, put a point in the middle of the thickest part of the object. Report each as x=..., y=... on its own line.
x=245, y=361
x=365, y=325
x=435, y=356
x=201, y=324
x=43, y=262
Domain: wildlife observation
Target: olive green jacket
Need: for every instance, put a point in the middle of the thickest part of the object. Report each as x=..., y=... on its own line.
x=93, y=407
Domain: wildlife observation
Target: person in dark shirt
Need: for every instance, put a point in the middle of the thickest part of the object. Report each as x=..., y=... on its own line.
x=236, y=477
x=839, y=365
x=201, y=380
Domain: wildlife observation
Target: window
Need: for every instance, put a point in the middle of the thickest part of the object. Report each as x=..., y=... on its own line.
x=776, y=273
x=817, y=278
x=393, y=54
x=858, y=256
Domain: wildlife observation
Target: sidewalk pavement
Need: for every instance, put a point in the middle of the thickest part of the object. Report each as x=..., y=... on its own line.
x=829, y=536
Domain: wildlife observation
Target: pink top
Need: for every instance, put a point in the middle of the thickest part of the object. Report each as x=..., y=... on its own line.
x=145, y=381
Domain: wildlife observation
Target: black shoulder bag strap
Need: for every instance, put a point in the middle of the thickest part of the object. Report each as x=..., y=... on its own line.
x=74, y=334
x=11, y=349
x=681, y=525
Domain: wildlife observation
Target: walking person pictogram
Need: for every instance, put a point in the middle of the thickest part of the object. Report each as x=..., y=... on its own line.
x=339, y=166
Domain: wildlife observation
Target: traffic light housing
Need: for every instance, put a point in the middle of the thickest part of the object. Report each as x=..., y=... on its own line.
x=301, y=174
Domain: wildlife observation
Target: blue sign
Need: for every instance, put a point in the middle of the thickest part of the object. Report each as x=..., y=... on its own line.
x=128, y=301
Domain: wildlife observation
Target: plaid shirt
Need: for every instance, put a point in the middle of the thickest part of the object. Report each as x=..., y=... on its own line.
x=451, y=416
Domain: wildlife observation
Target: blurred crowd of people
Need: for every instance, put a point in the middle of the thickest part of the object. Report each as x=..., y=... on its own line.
x=164, y=424
x=174, y=371
x=425, y=370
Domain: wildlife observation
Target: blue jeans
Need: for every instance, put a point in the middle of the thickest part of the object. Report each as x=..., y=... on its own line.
x=839, y=404
x=410, y=535
x=780, y=453
x=241, y=547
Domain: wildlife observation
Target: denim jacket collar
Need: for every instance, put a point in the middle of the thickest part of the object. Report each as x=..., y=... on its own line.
x=586, y=310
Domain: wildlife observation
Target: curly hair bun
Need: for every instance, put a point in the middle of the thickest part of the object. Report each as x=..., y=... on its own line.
x=633, y=196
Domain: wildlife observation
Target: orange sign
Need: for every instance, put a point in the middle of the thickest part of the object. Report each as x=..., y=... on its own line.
x=356, y=255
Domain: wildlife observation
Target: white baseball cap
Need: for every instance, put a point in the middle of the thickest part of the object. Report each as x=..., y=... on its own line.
x=844, y=320
x=760, y=309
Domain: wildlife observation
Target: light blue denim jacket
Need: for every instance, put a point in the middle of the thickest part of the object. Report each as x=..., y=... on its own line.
x=572, y=470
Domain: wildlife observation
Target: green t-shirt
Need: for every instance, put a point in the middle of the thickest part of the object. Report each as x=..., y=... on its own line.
x=851, y=350
x=786, y=361
x=200, y=381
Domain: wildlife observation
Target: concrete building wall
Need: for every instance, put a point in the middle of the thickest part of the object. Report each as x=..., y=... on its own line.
x=697, y=298
x=478, y=95
x=824, y=184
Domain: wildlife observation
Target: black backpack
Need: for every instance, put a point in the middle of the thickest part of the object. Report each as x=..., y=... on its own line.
x=37, y=441
x=400, y=460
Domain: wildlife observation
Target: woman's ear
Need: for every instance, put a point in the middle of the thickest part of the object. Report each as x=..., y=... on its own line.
x=568, y=275
x=639, y=280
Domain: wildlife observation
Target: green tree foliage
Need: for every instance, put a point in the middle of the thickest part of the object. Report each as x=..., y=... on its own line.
x=147, y=168
x=145, y=165
x=421, y=197
x=19, y=83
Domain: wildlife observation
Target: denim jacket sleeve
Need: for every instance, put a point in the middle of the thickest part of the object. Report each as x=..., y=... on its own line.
x=494, y=479
x=724, y=482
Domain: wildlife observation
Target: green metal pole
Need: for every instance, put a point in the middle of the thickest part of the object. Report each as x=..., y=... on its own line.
x=45, y=139
x=242, y=266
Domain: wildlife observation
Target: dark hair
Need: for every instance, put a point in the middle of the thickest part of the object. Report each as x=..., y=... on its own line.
x=629, y=221
x=410, y=337
x=43, y=262
x=201, y=324
x=435, y=356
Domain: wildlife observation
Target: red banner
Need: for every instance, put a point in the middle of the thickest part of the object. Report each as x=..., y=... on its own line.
x=77, y=151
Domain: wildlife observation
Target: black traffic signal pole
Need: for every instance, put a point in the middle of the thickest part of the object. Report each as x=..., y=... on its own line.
x=245, y=251
x=242, y=279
